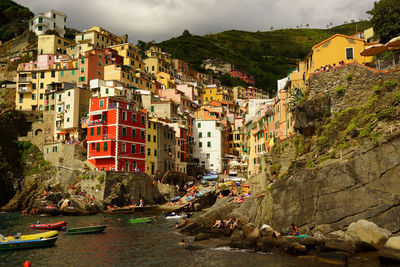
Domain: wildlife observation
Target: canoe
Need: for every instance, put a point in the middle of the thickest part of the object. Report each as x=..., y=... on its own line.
x=25, y=244
x=141, y=220
x=48, y=234
x=86, y=230
x=56, y=225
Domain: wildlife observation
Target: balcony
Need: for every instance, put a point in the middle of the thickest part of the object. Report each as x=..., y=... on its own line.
x=23, y=79
x=24, y=90
x=108, y=137
x=93, y=122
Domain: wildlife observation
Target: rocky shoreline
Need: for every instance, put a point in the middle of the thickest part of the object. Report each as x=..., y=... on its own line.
x=337, y=247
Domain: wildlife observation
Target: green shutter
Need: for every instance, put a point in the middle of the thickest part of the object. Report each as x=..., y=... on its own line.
x=98, y=130
x=105, y=146
x=91, y=131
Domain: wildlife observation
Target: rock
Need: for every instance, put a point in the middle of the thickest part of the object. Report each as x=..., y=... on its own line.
x=367, y=232
x=295, y=248
x=331, y=244
x=391, y=249
x=266, y=231
x=337, y=234
x=251, y=231
x=197, y=206
x=167, y=191
x=237, y=235
x=202, y=236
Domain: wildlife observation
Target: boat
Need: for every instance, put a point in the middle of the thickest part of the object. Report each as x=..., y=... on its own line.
x=86, y=230
x=48, y=234
x=56, y=225
x=173, y=217
x=141, y=220
x=25, y=244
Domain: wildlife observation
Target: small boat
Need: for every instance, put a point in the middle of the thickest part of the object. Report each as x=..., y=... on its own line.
x=173, y=217
x=56, y=225
x=48, y=234
x=141, y=220
x=86, y=230
x=25, y=244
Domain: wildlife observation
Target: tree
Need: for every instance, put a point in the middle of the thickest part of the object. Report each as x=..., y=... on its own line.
x=386, y=19
x=186, y=33
x=272, y=28
x=307, y=25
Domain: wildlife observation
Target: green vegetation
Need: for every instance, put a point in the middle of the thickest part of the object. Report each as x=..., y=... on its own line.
x=310, y=164
x=349, y=76
x=13, y=19
x=100, y=178
x=377, y=89
x=340, y=90
x=386, y=19
x=272, y=53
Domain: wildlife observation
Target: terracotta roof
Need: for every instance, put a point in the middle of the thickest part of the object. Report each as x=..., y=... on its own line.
x=334, y=36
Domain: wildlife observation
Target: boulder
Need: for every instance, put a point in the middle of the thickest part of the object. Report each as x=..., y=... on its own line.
x=332, y=244
x=337, y=234
x=295, y=248
x=202, y=236
x=266, y=231
x=391, y=249
x=251, y=231
x=237, y=235
x=367, y=232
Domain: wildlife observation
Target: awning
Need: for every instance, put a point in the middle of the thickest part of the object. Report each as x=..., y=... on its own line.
x=395, y=42
x=61, y=133
x=374, y=50
x=234, y=163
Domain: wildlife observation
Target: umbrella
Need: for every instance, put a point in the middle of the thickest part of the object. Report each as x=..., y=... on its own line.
x=234, y=162
x=395, y=42
x=374, y=50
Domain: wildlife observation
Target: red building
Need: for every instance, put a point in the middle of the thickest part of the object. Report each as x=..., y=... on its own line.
x=244, y=76
x=116, y=135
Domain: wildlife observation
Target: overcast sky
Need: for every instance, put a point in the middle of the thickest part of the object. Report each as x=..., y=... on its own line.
x=163, y=19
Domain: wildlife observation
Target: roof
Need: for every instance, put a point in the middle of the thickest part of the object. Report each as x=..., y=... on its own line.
x=334, y=36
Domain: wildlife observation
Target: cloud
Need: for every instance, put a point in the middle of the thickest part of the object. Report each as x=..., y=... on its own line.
x=162, y=19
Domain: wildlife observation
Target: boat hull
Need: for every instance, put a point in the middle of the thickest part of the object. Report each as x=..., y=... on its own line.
x=48, y=234
x=27, y=244
x=48, y=226
x=141, y=220
x=86, y=230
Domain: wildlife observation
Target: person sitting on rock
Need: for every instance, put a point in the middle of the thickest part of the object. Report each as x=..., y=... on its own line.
x=220, y=195
x=234, y=224
x=294, y=230
x=141, y=203
x=218, y=223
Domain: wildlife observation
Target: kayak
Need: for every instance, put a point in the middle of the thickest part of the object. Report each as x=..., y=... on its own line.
x=141, y=220
x=86, y=230
x=25, y=244
x=173, y=217
x=56, y=225
x=48, y=234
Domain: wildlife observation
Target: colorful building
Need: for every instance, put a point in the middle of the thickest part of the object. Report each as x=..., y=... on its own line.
x=52, y=44
x=244, y=76
x=131, y=55
x=116, y=135
x=50, y=20
x=152, y=147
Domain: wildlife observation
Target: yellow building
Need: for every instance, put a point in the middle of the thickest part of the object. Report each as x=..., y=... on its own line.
x=167, y=81
x=129, y=77
x=158, y=61
x=213, y=92
x=131, y=55
x=338, y=48
x=238, y=92
x=34, y=78
x=151, y=144
x=53, y=44
x=297, y=77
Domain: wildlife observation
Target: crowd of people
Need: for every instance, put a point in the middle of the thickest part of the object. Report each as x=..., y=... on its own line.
x=231, y=224
x=330, y=67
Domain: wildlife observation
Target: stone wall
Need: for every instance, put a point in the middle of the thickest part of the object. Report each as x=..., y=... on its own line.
x=36, y=135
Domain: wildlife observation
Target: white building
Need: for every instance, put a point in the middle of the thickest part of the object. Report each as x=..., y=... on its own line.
x=209, y=144
x=49, y=20
x=104, y=88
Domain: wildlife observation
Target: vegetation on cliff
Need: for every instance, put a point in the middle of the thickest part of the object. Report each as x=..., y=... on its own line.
x=13, y=19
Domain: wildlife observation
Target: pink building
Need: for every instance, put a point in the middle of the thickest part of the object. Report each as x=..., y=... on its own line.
x=177, y=97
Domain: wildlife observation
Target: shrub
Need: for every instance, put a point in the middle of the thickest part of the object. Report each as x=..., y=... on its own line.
x=390, y=83
x=310, y=164
x=387, y=113
x=340, y=90
x=349, y=76
x=100, y=178
x=371, y=102
x=396, y=98
x=377, y=89
x=323, y=142
x=366, y=130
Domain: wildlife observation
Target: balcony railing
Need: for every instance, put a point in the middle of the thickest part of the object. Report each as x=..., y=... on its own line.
x=24, y=90
x=108, y=137
x=24, y=79
x=94, y=122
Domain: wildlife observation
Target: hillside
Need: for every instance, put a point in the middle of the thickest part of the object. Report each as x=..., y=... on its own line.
x=13, y=19
x=266, y=55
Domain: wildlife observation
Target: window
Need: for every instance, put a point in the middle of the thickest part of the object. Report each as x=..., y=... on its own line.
x=148, y=138
x=209, y=134
x=101, y=103
x=33, y=86
x=200, y=144
x=33, y=75
x=134, y=119
x=200, y=135
x=123, y=131
x=59, y=41
x=33, y=96
x=40, y=28
x=53, y=74
x=349, y=53
x=199, y=125
x=54, y=16
x=98, y=147
x=133, y=149
x=123, y=147
x=142, y=120
x=41, y=96
x=42, y=75
x=155, y=152
x=82, y=70
x=208, y=144
x=62, y=73
x=142, y=135
x=149, y=125
x=154, y=126
x=124, y=115
x=98, y=130
x=82, y=60
x=148, y=152
x=133, y=133
x=154, y=138
x=41, y=85
x=208, y=155
x=142, y=150
x=152, y=108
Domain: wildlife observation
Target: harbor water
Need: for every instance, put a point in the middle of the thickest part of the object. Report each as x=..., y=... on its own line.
x=125, y=244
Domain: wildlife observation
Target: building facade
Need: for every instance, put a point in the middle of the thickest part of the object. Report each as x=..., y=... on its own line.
x=49, y=20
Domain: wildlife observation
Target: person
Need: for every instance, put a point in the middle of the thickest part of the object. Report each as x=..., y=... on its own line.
x=220, y=195
x=141, y=203
x=234, y=224
x=218, y=223
x=182, y=242
x=294, y=230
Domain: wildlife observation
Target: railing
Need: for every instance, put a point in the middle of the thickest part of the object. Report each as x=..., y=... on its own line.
x=24, y=79
x=94, y=122
x=108, y=137
x=23, y=90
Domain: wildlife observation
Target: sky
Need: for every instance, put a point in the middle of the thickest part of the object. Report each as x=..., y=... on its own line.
x=163, y=19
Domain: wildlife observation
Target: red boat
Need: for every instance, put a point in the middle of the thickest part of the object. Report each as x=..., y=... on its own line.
x=46, y=226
